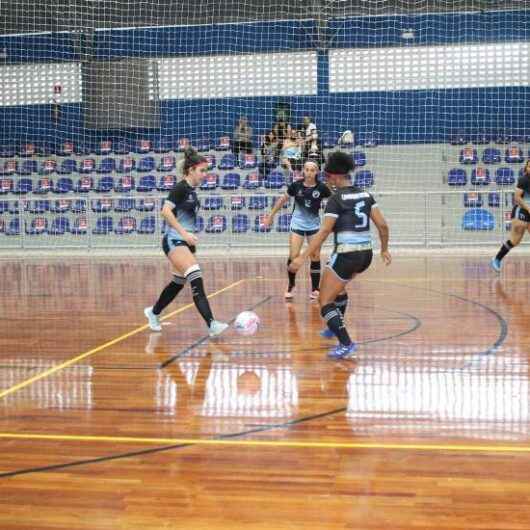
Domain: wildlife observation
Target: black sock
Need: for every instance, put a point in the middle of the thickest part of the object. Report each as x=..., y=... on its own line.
x=333, y=318
x=291, y=275
x=315, y=275
x=169, y=294
x=506, y=247
x=199, y=296
x=342, y=303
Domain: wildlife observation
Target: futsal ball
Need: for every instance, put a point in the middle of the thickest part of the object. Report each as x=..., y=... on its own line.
x=246, y=323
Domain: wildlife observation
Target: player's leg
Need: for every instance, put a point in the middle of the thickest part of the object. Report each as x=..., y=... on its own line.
x=517, y=232
x=295, y=246
x=314, y=270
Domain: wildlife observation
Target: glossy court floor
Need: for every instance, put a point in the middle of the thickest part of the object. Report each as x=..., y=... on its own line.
x=105, y=425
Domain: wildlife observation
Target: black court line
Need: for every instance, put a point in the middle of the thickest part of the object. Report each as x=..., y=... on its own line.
x=132, y=454
x=198, y=342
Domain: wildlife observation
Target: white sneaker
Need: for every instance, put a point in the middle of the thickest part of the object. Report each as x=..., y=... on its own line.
x=154, y=323
x=216, y=328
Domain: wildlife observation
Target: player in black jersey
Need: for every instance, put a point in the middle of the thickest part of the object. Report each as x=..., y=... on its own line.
x=180, y=213
x=308, y=195
x=520, y=217
x=348, y=214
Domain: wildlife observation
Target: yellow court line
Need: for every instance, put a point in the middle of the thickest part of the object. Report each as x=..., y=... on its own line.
x=88, y=353
x=273, y=443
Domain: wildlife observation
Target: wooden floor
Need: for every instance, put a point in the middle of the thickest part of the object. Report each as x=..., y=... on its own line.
x=106, y=425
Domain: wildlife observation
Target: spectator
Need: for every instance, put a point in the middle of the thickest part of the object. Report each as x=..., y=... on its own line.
x=310, y=130
x=291, y=154
x=268, y=153
x=281, y=130
x=242, y=136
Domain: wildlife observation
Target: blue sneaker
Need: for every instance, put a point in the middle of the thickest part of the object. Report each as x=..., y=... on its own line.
x=496, y=265
x=326, y=333
x=343, y=352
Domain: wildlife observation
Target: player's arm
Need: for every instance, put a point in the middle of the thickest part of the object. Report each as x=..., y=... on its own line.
x=316, y=242
x=275, y=209
x=518, y=199
x=171, y=220
x=384, y=233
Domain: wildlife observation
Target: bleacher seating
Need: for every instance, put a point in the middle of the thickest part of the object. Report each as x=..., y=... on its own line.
x=258, y=202
x=103, y=148
x=284, y=222
x=491, y=155
x=23, y=186
x=237, y=202
x=63, y=185
x=472, y=199
x=126, y=225
x=79, y=226
x=480, y=176
x=27, y=167
x=274, y=180
x=84, y=184
x=9, y=167
x=211, y=182
x=37, y=226
x=106, y=165
x=252, y=181
x=147, y=225
x=124, y=184
x=126, y=165
x=248, y=161
x=145, y=205
x=359, y=158
x=146, y=164
x=478, y=219
x=66, y=149
x=364, y=179
x=104, y=225
x=494, y=199
x=60, y=206
x=231, y=181
x=104, y=184
x=214, y=202
x=59, y=226
x=216, y=224
x=240, y=223
x=504, y=176
x=468, y=155
x=167, y=163
x=223, y=144
x=67, y=167
x=514, y=154
x=146, y=183
x=167, y=183
x=13, y=227
x=259, y=225
x=6, y=186
x=227, y=162
x=142, y=147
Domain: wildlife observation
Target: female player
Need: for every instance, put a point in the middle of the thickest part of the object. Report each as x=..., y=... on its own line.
x=520, y=217
x=305, y=221
x=348, y=214
x=180, y=212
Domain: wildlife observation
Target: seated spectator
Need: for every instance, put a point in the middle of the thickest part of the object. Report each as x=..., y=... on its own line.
x=268, y=153
x=310, y=130
x=281, y=130
x=291, y=153
x=242, y=136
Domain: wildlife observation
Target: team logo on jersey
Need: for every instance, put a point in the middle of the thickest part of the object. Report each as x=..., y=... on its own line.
x=316, y=194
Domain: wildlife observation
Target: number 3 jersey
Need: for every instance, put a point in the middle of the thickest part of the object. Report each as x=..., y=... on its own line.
x=351, y=208
x=307, y=201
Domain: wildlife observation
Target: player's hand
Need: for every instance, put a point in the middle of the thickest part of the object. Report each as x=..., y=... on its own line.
x=386, y=257
x=267, y=221
x=191, y=239
x=296, y=264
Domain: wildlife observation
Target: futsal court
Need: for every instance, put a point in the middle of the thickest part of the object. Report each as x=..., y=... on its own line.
x=106, y=424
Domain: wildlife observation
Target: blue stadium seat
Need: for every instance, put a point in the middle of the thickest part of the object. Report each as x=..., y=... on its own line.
x=257, y=202
x=472, y=199
x=82, y=149
x=104, y=225
x=227, y=162
x=248, y=161
x=38, y=206
x=126, y=225
x=84, y=184
x=27, y=167
x=146, y=164
x=63, y=185
x=124, y=184
x=48, y=167
x=7, y=151
x=359, y=158
x=491, y=155
x=182, y=144
x=79, y=206
x=14, y=207
x=66, y=148
x=4, y=207
x=216, y=224
x=162, y=145
x=102, y=205
x=142, y=147
x=258, y=224
x=514, y=154
x=13, y=227
x=124, y=205
x=203, y=144
x=478, y=219
x=223, y=144
x=167, y=163
x=67, y=167
x=480, y=176
x=274, y=180
x=468, y=155
x=494, y=199
x=87, y=165
x=364, y=179
x=167, y=182
x=252, y=181
x=9, y=167
x=121, y=148
x=28, y=149
x=37, y=226
x=23, y=186
x=210, y=182
x=6, y=186
x=126, y=165
x=504, y=176
x=103, y=148
x=59, y=226
x=79, y=226
x=145, y=205
x=104, y=184
x=60, y=206
x=147, y=225
x=284, y=223
x=237, y=202
x=44, y=185
x=240, y=223
x=199, y=224
x=215, y=202
x=231, y=181
x=146, y=183
x=212, y=161
x=106, y=165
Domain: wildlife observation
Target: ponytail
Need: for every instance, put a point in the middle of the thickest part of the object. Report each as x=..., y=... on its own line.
x=192, y=159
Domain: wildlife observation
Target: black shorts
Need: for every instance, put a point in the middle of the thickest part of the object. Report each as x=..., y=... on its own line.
x=350, y=263
x=304, y=233
x=169, y=243
x=520, y=214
